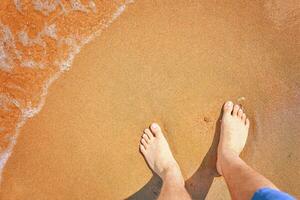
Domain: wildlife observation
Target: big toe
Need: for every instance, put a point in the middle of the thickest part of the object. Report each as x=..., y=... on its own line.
x=227, y=108
x=156, y=130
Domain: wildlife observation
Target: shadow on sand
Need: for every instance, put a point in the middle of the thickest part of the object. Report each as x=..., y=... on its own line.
x=197, y=185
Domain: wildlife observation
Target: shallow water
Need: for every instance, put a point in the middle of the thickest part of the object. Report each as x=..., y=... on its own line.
x=173, y=62
x=38, y=42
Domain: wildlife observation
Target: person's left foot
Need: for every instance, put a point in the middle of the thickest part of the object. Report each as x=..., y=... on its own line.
x=157, y=153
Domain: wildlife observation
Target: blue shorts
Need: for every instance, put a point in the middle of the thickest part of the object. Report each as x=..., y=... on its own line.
x=271, y=194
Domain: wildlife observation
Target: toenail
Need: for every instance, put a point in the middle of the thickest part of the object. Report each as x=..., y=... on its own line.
x=228, y=104
x=154, y=125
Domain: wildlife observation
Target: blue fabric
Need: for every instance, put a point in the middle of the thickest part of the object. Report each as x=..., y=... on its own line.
x=271, y=194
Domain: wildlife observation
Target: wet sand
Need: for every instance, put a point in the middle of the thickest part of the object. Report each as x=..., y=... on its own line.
x=174, y=63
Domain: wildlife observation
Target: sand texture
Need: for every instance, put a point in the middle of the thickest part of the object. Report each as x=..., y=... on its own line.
x=173, y=62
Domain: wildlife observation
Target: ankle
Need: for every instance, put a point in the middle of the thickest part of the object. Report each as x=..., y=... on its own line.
x=173, y=175
x=225, y=157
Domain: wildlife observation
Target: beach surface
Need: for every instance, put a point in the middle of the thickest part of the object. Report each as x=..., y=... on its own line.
x=175, y=63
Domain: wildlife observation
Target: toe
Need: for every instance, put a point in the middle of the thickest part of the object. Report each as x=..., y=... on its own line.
x=143, y=141
x=146, y=138
x=247, y=123
x=156, y=130
x=235, y=110
x=142, y=149
x=227, y=108
x=244, y=117
x=148, y=132
x=240, y=113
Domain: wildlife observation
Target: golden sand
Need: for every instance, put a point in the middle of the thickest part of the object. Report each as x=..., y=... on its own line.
x=173, y=62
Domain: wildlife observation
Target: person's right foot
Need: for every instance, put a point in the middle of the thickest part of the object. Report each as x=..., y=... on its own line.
x=234, y=132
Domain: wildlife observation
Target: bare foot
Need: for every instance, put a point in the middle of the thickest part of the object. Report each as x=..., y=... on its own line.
x=234, y=132
x=157, y=154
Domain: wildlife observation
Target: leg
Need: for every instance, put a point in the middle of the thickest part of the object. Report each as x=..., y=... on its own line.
x=241, y=179
x=159, y=158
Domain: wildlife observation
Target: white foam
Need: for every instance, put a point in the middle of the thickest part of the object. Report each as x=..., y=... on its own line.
x=50, y=31
x=4, y=63
x=39, y=39
x=74, y=48
x=18, y=5
x=92, y=6
x=23, y=38
x=5, y=99
x=77, y=5
x=29, y=63
x=45, y=6
x=6, y=43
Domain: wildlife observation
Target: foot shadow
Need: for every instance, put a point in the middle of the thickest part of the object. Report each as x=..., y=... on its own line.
x=150, y=191
x=200, y=182
x=197, y=185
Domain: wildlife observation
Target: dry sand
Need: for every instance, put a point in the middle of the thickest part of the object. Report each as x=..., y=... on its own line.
x=174, y=63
